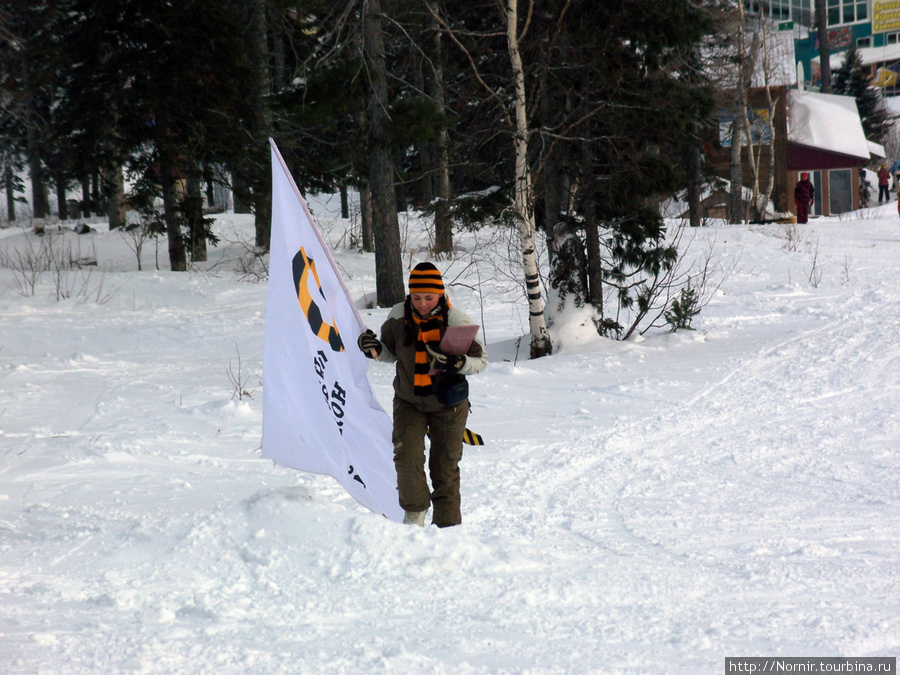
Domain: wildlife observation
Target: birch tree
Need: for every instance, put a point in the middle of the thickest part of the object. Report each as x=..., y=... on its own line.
x=824, y=46
x=760, y=196
x=523, y=198
x=745, y=58
x=524, y=190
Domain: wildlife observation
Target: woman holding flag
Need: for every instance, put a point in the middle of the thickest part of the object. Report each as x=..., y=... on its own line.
x=430, y=395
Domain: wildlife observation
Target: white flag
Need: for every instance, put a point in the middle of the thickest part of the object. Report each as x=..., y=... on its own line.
x=319, y=413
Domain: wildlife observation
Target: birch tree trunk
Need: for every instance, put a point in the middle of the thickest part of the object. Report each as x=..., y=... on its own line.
x=767, y=59
x=736, y=202
x=824, y=46
x=524, y=194
x=754, y=157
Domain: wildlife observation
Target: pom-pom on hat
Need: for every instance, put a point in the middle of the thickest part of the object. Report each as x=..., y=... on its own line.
x=426, y=278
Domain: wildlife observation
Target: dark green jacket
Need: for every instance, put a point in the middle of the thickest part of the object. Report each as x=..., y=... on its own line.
x=396, y=350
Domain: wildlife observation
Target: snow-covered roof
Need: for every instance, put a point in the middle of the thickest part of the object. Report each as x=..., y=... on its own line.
x=826, y=122
x=876, y=150
x=869, y=55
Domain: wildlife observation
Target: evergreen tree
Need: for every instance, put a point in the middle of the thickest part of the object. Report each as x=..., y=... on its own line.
x=26, y=74
x=257, y=170
x=344, y=122
x=12, y=151
x=615, y=104
x=139, y=89
x=852, y=79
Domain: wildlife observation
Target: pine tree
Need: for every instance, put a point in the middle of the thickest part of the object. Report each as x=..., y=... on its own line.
x=852, y=79
x=623, y=101
x=138, y=89
x=12, y=151
x=344, y=121
x=27, y=72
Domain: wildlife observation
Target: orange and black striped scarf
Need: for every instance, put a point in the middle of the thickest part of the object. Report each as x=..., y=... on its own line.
x=429, y=331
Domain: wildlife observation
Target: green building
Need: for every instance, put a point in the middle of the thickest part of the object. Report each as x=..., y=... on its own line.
x=872, y=25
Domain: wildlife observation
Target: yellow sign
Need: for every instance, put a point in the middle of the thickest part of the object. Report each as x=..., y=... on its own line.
x=885, y=16
x=885, y=78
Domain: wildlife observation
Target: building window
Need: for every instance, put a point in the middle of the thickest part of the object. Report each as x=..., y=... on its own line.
x=842, y=12
x=891, y=38
x=839, y=12
x=783, y=10
x=802, y=12
x=864, y=42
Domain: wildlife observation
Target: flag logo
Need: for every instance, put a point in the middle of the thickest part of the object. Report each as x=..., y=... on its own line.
x=304, y=267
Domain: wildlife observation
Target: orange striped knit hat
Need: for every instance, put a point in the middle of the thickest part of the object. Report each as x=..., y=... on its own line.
x=426, y=278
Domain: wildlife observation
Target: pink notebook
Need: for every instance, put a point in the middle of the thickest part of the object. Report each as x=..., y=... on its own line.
x=457, y=340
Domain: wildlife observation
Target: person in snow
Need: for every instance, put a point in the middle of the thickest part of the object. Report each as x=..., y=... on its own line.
x=884, y=183
x=804, y=194
x=436, y=405
x=864, y=186
x=895, y=172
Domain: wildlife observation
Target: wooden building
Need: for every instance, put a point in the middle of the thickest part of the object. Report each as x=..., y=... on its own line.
x=817, y=133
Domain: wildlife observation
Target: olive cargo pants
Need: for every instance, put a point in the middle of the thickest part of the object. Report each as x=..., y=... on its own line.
x=445, y=430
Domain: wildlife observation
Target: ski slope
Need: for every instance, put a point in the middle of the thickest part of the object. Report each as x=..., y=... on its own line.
x=649, y=506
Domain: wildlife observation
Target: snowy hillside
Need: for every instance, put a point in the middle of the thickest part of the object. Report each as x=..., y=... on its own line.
x=650, y=506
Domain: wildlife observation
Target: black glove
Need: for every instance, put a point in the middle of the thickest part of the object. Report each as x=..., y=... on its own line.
x=368, y=343
x=448, y=363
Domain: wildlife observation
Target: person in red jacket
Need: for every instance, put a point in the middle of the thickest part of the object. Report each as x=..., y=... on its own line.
x=884, y=184
x=804, y=194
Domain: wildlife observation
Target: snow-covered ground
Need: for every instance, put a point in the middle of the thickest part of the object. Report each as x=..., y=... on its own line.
x=650, y=506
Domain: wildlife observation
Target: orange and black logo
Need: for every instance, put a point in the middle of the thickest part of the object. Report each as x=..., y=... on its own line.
x=303, y=266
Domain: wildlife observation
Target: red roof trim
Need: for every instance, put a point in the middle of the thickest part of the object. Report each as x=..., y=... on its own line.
x=800, y=157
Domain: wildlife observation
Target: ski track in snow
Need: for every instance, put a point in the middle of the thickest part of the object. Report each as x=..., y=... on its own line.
x=650, y=506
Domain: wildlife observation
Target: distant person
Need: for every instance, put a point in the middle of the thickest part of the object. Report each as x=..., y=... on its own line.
x=895, y=172
x=430, y=395
x=884, y=183
x=804, y=194
x=863, y=188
